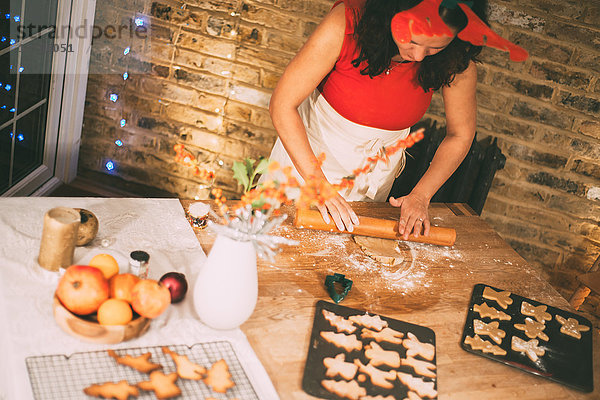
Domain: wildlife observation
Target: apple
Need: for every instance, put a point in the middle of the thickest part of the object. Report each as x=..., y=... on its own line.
x=150, y=298
x=177, y=285
x=82, y=289
x=121, y=286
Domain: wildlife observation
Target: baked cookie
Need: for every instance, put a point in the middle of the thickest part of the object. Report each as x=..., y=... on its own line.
x=385, y=335
x=338, y=366
x=164, y=386
x=185, y=368
x=340, y=323
x=571, y=327
x=530, y=348
x=416, y=348
x=537, y=312
x=491, y=330
x=421, y=367
x=347, y=342
x=218, y=377
x=418, y=385
x=350, y=390
x=533, y=329
x=379, y=356
x=502, y=298
x=490, y=312
x=478, y=343
x=109, y=390
x=369, y=321
x=412, y=396
x=378, y=397
x=378, y=377
x=140, y=363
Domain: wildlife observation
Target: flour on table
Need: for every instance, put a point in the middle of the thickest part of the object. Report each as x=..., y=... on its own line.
x=408, y=275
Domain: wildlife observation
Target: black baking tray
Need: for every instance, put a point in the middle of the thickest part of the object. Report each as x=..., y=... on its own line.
x=314, y=370
x=567, y=360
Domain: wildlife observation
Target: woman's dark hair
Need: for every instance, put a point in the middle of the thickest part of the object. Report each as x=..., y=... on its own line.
x=377, y=46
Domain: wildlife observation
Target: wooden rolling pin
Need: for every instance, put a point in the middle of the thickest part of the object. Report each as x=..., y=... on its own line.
x=376, y=227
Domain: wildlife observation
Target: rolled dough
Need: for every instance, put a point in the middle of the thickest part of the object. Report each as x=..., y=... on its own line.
x=386, y=251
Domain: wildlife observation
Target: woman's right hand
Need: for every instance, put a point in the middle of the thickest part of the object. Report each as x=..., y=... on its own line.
x=342, y=213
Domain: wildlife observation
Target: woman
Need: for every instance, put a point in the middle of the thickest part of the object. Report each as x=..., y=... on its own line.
x=363, y=78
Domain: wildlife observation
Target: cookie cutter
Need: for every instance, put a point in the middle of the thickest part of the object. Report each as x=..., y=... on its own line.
x=330, y=281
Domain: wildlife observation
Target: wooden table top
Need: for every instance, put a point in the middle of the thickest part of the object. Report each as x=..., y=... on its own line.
x=433, y=289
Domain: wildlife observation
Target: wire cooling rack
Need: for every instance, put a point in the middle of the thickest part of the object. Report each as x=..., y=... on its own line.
x=64, y=377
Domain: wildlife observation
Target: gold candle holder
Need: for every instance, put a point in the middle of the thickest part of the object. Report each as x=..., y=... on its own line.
x=59, y=237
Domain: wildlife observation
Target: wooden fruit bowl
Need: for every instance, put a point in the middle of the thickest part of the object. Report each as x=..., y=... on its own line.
x=89, y=330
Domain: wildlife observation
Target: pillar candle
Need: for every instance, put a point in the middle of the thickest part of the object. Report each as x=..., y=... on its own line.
x=59, y=236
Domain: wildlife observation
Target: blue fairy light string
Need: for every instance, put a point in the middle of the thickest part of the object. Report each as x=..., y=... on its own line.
x=110, y=165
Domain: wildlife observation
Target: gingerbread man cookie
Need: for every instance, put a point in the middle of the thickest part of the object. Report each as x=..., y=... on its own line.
x=379, y=356
x=530, y=348
x=539, y=312
x=347, y=342
x=491, y=330
x=338, y=366
x=533, y=329
x=418, y=385
x=478, y=343
x=351, y=390
x=385, y=335
x=486, y=311
x=502, y=298
x=571, y=327
x=369, y=321
x=415, y=347
x=421, y=367
x=340, y=323
x=378, y=377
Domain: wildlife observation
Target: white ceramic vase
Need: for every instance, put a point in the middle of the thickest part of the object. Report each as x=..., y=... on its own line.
x=226, y=289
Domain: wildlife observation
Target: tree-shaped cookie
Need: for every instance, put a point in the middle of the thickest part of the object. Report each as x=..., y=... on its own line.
x=340, y=323
x=109, y=390
x=385, y=335
x=218, y=377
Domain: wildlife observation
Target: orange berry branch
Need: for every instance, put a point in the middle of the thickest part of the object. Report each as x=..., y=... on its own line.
x=268, y=196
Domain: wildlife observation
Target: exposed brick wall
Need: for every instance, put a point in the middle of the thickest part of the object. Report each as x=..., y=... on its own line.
x=205, y=76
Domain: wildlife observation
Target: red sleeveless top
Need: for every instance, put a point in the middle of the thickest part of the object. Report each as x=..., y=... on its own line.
x=391, y=101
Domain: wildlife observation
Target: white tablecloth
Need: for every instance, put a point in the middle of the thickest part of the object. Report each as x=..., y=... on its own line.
x=158, y=226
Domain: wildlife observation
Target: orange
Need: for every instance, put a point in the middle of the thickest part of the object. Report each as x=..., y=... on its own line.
x=114, y=312
x=105, y=263
x=121, y=286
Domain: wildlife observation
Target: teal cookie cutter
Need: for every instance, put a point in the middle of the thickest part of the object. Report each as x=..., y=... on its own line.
x=330, y=281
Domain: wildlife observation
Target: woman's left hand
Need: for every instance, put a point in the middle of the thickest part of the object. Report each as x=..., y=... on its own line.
x=414, y=215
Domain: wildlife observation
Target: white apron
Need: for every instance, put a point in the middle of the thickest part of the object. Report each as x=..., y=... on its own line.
x=346, y=145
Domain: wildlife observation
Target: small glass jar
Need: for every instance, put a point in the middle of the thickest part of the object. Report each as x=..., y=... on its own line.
x=138, y=263
x=197, y=214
